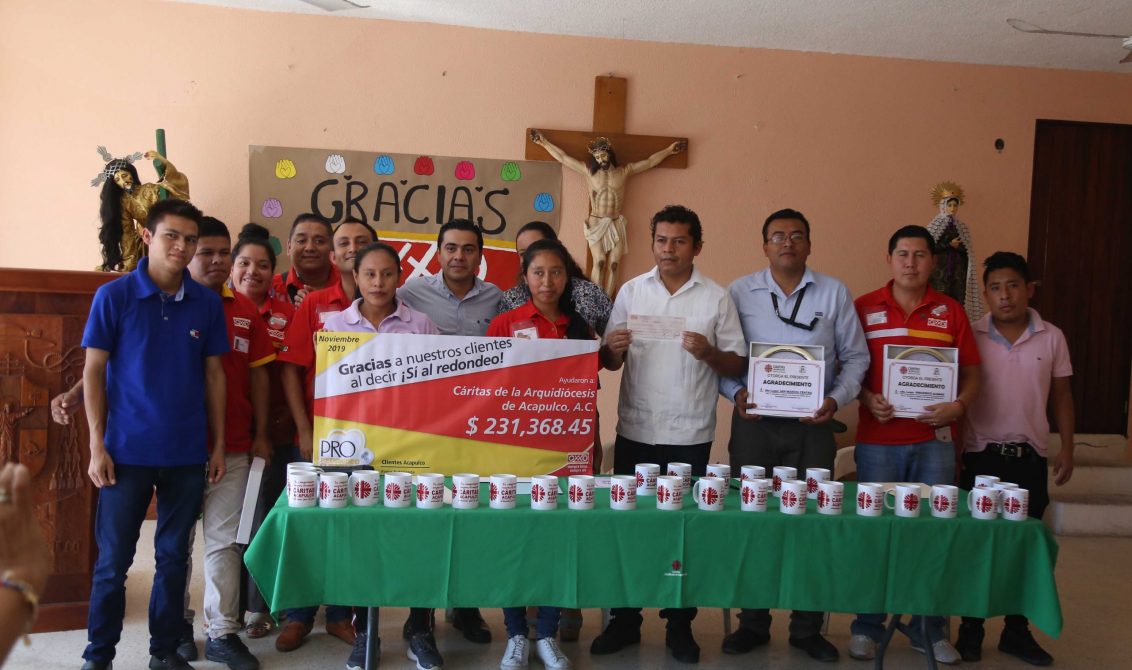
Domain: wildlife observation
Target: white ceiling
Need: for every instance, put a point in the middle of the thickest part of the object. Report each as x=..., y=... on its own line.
x=964, y=31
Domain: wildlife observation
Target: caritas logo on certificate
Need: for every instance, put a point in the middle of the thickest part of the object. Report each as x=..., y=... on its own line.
x=449, y=404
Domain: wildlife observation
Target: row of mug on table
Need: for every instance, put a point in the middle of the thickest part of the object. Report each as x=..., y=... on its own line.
x=308, y=486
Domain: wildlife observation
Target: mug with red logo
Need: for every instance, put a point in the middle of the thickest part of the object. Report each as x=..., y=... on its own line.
x=813, y=477
x=580, y=491
x=981, y=502
x=870, y=499
x=646, y=474
x=751, y=472
x=792, y=496
x=623, y=492
x=684, y=472
x=501, y=491
x=999, y=488
x=945, y=501
x=544, y=492
x=302, y=489
x=781, y=473
x=721, y=470
x=430, y=490
x=465, y=491
x=830, y=495
x=365, y=488
x=669, y=492
x=753, y=494
x=905, y=500
x=985, y=481
x=1015, y=504
x=398, y=489
x=333, y=489
x=710, y=493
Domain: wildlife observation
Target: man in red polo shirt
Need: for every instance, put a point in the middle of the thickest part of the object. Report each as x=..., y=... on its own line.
x=246, y=374
x=308, y=246
x=907, y=311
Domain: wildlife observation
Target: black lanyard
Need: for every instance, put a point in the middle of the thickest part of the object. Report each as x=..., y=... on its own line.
x=793, y=315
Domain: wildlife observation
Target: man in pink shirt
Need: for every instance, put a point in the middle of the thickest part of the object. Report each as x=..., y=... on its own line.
x=1024, y=359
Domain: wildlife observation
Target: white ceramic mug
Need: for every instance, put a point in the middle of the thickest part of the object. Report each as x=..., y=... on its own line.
x=781, y=473
x=710, y=492
x=333, y=489
x=751, y=472
x=302, y=466
x=870, y=499
x=669, y=492
x=501, y=491
x=302, y=489
x=831, y=496
x=945, y=501
x=813, y=477
x=721, y=470
x=580, y=491
x=465, y=491
x=753, y=494
x=999, y=487
x=985, y=481
x=365, y=488
x=623, y=492
x=646, y=474
x=430, y=490
x=398, y=489
x=792, y=496
x=905, y=500
x=684, y=471
x=544, y=492
x=1015, y=504
x=981, y=502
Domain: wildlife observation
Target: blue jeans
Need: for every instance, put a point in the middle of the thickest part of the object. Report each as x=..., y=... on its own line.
x=930, y=462
x=515, y=618
x=118, y=519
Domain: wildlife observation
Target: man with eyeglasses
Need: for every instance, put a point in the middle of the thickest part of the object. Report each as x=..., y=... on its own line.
x=788, y=303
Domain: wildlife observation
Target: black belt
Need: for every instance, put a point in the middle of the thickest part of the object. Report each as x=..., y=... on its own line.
x=1013, y=450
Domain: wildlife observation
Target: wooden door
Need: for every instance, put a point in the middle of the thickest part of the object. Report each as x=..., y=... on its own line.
x=1081, y=253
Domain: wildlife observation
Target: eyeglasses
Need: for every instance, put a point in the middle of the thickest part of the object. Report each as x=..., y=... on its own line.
x=796, y=237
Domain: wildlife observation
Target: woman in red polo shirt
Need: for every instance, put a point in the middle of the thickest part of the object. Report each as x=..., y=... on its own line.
x=549, y=314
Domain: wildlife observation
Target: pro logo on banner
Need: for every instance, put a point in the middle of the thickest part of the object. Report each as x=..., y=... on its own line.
x=439, y=403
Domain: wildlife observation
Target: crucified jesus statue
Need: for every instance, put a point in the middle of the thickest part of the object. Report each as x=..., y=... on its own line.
x=605, y=227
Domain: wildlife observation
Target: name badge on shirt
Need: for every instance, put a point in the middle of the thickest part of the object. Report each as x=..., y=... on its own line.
x=876, y=318
x=241, y=344
x=525, y=330
x=323, y=316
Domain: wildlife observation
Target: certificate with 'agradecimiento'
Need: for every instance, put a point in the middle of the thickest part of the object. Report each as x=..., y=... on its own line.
x=785, y=379
x=916, y=377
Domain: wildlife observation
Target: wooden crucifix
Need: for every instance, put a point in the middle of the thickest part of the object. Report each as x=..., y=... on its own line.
x=611, y=158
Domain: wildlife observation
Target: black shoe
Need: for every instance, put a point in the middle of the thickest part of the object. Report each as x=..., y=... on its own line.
x=819, y=648
x=357, y=660
x=969, y=643
x=98, y=665
x=186, y=646
x=615, y=637
x=684, y=648
x=422, y=649
x=1020, y=643
x=744, y=640
x=230, y=650
x=168, y=661
x=469, y=621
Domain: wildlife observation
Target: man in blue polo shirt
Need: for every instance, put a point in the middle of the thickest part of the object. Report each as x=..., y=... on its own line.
x=153, y=386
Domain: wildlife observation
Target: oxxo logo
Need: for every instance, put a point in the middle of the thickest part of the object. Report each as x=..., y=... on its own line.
x=343, y=444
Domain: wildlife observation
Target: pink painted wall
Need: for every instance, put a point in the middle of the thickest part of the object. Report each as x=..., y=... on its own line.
x=856, y=143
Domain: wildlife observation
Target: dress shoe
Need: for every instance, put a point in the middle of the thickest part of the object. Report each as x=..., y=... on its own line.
x=470, y=623
x=291, y=635
x=969, y=644
x=819, y=648
x=1021, y=643
x=615, y=637
x=744, y=640
x=683, y=646
x=343, y=630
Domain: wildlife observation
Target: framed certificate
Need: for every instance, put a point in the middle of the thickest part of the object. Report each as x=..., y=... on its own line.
x=918, y=376
x=786, y=379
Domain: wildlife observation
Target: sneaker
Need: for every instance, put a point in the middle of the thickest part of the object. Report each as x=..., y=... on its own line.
x=862, y=648
x=684, y=648
x=230, y=650
x=615, y=637
x=357, y=660
x=819, y=648
x=168, y=661
x=941, y=650
x=1021, y=643
x=744, y=639
x=517, y=654
x=186, y=646
x=422, y=649
x=550, y=655
x=969, y=644
x=291, y=635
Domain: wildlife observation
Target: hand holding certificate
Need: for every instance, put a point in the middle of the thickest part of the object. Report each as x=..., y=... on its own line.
x=917, y=377
x=785, y=380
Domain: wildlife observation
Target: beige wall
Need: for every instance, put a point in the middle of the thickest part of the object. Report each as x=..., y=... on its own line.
x=855, y=143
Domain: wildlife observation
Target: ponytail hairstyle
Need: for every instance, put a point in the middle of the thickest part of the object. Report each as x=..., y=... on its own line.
x=255, y=235
x=577, y=329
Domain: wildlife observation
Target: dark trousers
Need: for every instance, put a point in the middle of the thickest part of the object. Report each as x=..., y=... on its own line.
x=273, y=484
x=626, y=454
x=1029, y=472
x=118, y=519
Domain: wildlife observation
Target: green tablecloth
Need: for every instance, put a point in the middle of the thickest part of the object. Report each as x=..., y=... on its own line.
x=375, y=556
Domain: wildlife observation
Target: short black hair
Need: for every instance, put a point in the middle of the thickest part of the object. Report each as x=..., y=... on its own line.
x=358, y=222
x=785, y=214
x=255, y=235
x=1006, y=260
x=310, y=216
x=211, y=226
x=912, y=232
x=541, y=227
x=171, y=207
x=678, y=214
x=460, y=224
x=379, y=247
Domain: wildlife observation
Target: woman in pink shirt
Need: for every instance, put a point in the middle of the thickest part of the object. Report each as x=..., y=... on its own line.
x=377, y=273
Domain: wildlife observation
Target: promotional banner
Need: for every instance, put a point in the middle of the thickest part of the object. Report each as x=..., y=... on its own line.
x=440, y=403
x=406, y=198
